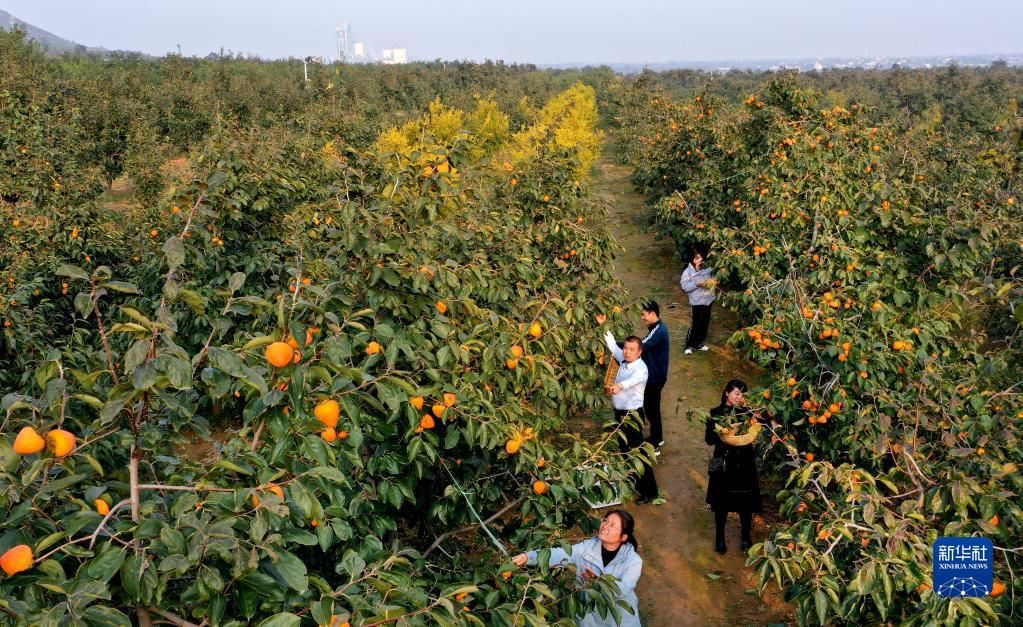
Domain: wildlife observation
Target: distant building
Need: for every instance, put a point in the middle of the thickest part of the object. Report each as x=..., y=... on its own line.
x=344, y=46
x=349, y=51
x=394, y=56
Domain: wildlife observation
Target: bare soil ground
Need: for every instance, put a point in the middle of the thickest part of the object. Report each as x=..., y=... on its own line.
x=119, y=197
x=684, y=581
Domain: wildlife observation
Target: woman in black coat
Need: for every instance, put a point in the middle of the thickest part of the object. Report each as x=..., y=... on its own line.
x=737, y=487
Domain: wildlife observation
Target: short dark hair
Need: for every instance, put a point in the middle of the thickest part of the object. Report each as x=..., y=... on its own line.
x=701, y=248
x=634, y=338
x=652, y=307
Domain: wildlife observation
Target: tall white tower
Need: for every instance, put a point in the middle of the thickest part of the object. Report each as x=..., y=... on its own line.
x=344, y=43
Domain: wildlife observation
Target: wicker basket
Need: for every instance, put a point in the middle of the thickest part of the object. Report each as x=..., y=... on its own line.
x=611, y=373
x=742, y=440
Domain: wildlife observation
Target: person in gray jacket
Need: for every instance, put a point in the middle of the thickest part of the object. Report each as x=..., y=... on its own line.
x=698, y=282
x=613, y=551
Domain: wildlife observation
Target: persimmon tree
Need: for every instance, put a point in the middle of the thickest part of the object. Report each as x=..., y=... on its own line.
x=877, y=275
x=389, y=350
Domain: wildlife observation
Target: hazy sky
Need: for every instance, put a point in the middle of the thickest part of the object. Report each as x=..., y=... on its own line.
x=540, y=31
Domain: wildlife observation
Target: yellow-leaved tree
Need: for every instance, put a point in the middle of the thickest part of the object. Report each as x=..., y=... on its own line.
x=569, y=121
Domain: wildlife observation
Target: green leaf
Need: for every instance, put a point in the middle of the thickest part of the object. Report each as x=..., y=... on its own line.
x=331, y=474
x=122, y=286
x=52, y=587
x=149, y=528
x=227, y=361
x=145, y=376
x=111, y=409
x=179, y=371
x=107, y=563
x=174, y=540
x=91, y=401
x=292, y=570
x=353, y=564
x=92, y=461
x=233, y=467
x=61, y=484
x=211, y=578
x=129, y=575
x=137, y=354
x=216, y=179
x=390, y=394
x=9, y=460
x=84, y=592
x=174, y=249
x=258, y=528
x=83, y=303
x=55, y=389
x=194, y=301
x=218, y=605
x=284, y=619
x=49, y=541
x=179, y=564
x=101, y=616
x=821, y=602
x=256, y=342
x=54, y=616
x=137, y=316
x=451, y=438
x=302, y=498
x=73, y=272
x=300, y=536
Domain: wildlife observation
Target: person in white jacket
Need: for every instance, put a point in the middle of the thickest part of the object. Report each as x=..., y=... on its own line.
x=698, y=283
x=627, y=396
x=613, y=551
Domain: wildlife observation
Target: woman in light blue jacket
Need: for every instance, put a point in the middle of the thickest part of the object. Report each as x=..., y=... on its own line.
x=698, y=282
x=613, y=551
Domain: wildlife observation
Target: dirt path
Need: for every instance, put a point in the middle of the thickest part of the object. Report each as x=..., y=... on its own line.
x=677, y=538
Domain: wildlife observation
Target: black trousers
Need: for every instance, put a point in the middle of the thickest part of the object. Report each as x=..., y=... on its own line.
x=698, y=330
x=645, y=483
x=652, y=409
x=745, y=522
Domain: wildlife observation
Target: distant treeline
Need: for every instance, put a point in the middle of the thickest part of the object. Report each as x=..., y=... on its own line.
x=132, y=110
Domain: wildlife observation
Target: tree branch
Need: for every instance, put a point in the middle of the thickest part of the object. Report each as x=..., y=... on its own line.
x=255, y=436
x=103, y=335
x=113, y=510
x=184, y=488
x=171, y=618
x=444, y=536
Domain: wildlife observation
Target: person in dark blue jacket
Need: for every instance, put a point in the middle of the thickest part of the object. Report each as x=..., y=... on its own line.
x=656, y=346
